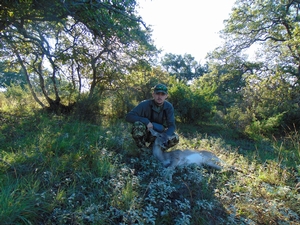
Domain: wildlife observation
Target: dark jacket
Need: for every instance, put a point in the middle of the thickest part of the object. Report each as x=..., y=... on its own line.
x=146, y=112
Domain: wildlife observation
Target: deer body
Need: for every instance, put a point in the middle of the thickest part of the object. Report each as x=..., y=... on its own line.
x=185, y=157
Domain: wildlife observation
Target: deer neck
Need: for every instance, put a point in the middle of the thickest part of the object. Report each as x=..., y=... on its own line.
x=158, y=153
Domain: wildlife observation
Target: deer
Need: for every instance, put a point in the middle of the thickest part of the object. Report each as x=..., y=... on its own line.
x=178, y=157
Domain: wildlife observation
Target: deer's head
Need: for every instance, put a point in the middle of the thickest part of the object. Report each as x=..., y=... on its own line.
x=161, y=139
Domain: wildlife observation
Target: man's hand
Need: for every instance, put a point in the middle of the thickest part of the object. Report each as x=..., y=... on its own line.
x=149, y=126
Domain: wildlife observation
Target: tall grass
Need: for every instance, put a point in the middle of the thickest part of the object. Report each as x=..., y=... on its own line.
x=19, y=203
x=56, y=170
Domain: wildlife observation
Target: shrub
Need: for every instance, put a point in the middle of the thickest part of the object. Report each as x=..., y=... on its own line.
x=190, y=106
x=258, y=129
x=19, y=100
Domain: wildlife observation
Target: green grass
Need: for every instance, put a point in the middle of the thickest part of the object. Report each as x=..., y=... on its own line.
x=56, y=170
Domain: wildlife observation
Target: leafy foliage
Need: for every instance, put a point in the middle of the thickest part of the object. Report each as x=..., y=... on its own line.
x=10, y=78
x=274, y=26
x=184, y=68
x=132, y=89
x=72, y=46
x=191, y=106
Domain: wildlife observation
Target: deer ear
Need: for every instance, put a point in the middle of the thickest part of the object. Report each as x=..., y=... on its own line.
x=171, y=137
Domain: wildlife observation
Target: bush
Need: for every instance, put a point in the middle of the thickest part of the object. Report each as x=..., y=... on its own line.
x=190, y=107
x=258, y=129
x=88, y=109
x=19, y=100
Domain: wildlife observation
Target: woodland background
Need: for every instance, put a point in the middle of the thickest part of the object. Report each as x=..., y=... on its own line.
x=71, y=70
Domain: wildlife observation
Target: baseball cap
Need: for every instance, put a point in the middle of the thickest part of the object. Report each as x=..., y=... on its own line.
x=160, y=88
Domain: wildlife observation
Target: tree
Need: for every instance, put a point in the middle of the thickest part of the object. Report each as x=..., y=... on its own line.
x=184, y=68
x=273, y=26
x=72, y=45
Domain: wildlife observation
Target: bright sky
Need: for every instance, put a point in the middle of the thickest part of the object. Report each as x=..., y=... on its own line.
x=186, y=26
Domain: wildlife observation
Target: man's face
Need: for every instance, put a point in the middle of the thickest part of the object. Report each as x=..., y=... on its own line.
x=159, y=98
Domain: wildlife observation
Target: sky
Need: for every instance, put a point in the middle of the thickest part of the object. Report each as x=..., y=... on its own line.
x=186, y=26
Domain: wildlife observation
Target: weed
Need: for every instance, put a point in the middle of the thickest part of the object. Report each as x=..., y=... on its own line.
x=72, y=172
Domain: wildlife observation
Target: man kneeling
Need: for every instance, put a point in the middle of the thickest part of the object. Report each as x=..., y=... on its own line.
x=157, y=114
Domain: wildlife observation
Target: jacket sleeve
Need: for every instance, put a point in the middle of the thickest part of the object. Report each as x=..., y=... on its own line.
x=138, y=114
x=170, y=120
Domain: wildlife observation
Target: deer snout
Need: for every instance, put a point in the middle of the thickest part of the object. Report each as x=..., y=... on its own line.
x=164, y=145
x=163, y=141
